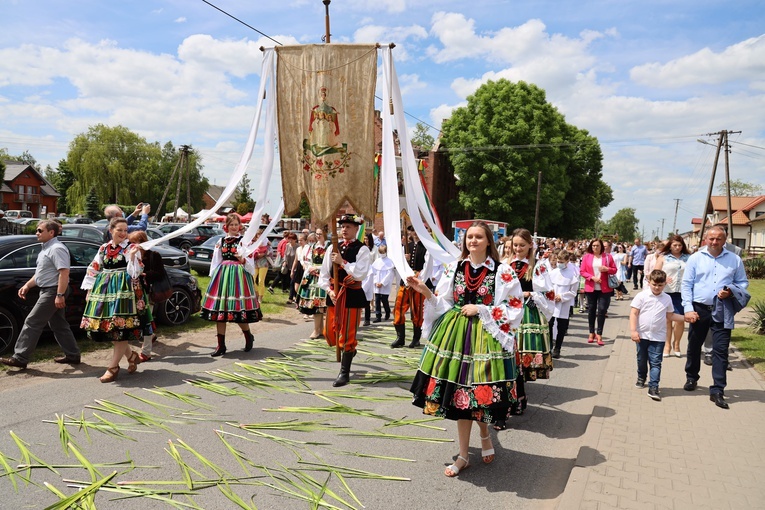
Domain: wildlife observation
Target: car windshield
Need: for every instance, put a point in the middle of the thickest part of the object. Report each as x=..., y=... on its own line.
x=210, y=243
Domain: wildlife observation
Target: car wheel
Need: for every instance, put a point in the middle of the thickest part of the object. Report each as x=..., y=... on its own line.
x=9, y=330
x=185, y=246
x=176, y=309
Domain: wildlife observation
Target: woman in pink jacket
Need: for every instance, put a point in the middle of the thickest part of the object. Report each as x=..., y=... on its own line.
x=595, y=268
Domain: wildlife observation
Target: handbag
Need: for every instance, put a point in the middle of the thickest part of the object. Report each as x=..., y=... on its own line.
x=160, y=289
x=613, y=281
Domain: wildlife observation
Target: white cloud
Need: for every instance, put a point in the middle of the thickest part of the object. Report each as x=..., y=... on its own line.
x=742, y=61
x=391, y=6
x=182, y=19
x=383, y=35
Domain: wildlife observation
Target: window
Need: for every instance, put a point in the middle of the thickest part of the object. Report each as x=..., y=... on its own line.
x=22, y=258
x=82, y=254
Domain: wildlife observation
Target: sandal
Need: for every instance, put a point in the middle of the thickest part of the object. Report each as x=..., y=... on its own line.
x=133, y=361
x=500, y=425
x=453, y=470
x=488, y=455
x=110, y=375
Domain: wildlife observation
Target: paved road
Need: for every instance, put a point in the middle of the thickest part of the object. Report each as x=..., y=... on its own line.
x=535, y=455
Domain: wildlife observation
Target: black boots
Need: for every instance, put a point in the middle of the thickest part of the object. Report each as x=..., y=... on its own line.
x=400, y=336
x=221, y=350
x=416, y=338
x=248, y=340
x=345, y=369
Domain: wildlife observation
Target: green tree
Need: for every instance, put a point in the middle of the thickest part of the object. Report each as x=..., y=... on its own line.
x=243, y=202
x=422, y=138
x=114, y=162
x=62, y=179
x=739, y=188
x=92, y=205
x=499, y=142
x=158, y=184
x=624, y=224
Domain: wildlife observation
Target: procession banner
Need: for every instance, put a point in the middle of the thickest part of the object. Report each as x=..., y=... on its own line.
x=325, y=111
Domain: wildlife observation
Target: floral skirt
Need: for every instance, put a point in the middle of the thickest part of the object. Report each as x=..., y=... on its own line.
x=534, y=345
x=464, y=373
x=231, y=296
x=311, y=298
x=113, y=310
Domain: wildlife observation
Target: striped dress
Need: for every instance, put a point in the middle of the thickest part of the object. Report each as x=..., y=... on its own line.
x=468, y=366
x=113, y=309
x=231, y=295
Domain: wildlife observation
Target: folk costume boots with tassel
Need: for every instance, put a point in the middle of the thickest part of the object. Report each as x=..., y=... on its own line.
x=345, y=369
x=221, y=350
x=416, y=338
x=400, y=336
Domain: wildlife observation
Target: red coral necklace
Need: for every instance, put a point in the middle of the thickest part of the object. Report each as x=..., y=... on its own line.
x=473, y=282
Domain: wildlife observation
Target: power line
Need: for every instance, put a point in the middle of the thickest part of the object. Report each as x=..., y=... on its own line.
x=242, y=22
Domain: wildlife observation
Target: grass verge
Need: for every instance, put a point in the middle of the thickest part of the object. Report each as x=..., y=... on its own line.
x=751, y=344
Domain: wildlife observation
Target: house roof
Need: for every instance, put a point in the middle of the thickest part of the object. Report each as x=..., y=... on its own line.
x=13, y=169
x=215, y=192
x=720, y=203
x=739, y=218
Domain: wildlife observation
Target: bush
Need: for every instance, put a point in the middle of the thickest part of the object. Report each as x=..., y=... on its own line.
x=758, y=321
x=755, y=268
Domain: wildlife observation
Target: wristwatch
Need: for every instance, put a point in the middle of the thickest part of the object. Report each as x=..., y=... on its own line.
x=59, y=295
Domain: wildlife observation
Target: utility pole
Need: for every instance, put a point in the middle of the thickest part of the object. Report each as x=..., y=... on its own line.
x=722, y=139
x=674, y=222
x=661, y=235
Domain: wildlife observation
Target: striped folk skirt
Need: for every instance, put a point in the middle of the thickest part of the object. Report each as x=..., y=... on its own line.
x=464, y=373
x=231, y=295
x=112, y=312
x=534, y=345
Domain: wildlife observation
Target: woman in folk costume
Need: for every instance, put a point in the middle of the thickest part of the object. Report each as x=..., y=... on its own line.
x=468, y=367
x=312, y=299
x=231, y=294
x=152, y=267
x=112, y=308
x=534, y=357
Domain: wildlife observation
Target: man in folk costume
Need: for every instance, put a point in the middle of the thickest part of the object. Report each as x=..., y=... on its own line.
x=346, y=303
x=409, y=299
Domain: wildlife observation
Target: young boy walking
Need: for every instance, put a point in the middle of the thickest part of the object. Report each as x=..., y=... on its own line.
x=650, y=318
x=565, y=280
x=383, y=273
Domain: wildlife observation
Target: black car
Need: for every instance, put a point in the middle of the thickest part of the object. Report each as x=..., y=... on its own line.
x=18, y=259
x=172, y=257
x=193, y=237
x=200, y=256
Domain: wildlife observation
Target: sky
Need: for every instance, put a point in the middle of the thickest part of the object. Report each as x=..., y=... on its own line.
x=652, y=80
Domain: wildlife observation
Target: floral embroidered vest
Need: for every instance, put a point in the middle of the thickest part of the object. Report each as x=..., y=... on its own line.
x=465, y=294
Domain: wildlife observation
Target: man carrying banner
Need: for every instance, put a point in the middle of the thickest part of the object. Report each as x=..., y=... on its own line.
x=409, y=299
x=345, y=303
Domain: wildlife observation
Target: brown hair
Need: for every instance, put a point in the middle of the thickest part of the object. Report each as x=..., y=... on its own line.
x=230, y=218
x=657, y=276
x=596, y=240
x=137, y=237
x=491, y=249
x=526, y=236
x=675, y=238
x=49, y=225
x=115, y=221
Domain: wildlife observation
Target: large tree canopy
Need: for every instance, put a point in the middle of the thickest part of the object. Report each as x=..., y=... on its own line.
x=121, y=167
x=624, y=224
x=499, y=142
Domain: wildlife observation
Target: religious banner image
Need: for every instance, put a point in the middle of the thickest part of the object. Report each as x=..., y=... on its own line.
x=325, y=110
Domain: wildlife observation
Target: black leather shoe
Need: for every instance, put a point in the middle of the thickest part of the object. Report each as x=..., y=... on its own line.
x=708, y=360
x=71, y=360
x=690, y=385
x=13, y=362
x=719, y=400
x=378, y=319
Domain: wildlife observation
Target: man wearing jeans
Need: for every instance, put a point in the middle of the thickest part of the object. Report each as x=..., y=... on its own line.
x=52, y=277
x=638, y=254
x=709, y=274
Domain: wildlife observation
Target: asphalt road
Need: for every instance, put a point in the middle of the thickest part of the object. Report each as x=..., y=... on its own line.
x=534, y=455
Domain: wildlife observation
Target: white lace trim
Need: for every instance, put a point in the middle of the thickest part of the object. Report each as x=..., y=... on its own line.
x=506, y=340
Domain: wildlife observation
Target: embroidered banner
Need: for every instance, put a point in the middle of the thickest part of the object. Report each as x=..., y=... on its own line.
x=325, y=111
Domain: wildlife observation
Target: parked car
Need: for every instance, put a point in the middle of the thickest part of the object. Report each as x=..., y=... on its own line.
x=18, y=259
x=193, y=237
x=200, y=256
x=172, y=257
x=17, y=213
x=23, y=225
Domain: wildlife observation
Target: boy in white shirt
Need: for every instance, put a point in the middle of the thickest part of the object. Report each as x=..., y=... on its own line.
x=565, y=281
x=650, y=318
x=382, y=272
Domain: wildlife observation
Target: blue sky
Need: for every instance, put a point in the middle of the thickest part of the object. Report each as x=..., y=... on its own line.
x=647, y=78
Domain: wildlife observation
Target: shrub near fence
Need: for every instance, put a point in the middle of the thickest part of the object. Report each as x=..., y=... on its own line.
x=755, y=268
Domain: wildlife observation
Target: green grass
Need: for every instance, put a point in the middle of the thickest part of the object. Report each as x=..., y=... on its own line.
x=47, y=349
x=752, y=345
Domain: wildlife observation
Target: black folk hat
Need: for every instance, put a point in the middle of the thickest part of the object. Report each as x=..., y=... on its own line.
x=353, y=219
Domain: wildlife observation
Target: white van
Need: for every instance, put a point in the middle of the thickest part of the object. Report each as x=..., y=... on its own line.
x=15, y=214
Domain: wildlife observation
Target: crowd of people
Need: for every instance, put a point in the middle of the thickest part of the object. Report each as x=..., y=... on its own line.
x=486, y=324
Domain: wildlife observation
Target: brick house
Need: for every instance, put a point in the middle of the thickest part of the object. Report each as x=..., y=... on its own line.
x=24, y=188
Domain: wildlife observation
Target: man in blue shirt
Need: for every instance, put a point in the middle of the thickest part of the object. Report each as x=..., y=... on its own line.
x=708, y=274
x=638, y=254
x=141, y=213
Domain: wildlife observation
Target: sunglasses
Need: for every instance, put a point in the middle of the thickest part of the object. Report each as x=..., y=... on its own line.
x=39, y=231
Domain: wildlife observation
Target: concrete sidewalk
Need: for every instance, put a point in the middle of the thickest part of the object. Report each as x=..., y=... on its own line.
x=682, y=452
